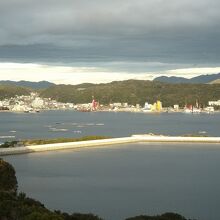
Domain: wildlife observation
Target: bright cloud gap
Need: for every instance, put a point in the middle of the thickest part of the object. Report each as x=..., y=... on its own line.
x=76, y=75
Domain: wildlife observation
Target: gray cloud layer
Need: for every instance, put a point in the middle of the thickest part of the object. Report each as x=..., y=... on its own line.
x=168, y=31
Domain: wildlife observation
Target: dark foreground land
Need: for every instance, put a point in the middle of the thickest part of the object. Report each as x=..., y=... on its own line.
x=17, y=206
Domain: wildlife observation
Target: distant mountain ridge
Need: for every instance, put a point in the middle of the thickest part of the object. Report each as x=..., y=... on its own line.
x=198, y=79
x=202, y=79
x=29, y=84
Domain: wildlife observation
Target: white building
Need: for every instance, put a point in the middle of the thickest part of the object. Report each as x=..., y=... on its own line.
x=117, y=104
x=214, y=103
x=37, y=103
x=19, y=108
x=147, y=106
x=176, y=107
x=125, y=104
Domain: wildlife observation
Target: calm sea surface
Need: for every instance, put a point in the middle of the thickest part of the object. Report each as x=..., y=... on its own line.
x=51, y=124
x=125, y=180
x=121, y=180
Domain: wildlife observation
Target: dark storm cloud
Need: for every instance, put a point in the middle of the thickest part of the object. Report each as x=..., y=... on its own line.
x=168, y=31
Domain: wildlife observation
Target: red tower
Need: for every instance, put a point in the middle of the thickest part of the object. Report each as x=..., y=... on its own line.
x=94, y=104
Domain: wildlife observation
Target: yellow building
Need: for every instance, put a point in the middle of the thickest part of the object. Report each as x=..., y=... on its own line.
x=159, y=106
x=156, y=107
x=153, y=107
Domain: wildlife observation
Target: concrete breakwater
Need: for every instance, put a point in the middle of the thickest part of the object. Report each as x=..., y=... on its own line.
x=66, y=146
x=103, y=142
x=162, y=138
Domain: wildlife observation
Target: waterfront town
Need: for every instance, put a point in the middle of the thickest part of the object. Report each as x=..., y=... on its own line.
x=34, y=103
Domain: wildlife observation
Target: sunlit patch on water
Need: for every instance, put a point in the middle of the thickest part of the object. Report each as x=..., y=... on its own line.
x=77, y=132
x=58, y=129
x=7, y=136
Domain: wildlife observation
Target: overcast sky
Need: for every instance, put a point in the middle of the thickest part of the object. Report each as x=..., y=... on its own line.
x=73, y=41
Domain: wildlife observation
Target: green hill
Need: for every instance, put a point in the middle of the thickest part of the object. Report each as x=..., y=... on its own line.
x=8, y=91
x=135, y=91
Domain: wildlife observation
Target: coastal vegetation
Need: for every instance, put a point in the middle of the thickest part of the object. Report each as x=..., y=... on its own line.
x=8, y=180
x=8, y=91
x=135, y=92
x=165, y=216
x=29, y=142
x=17, y=206
x=196, y=135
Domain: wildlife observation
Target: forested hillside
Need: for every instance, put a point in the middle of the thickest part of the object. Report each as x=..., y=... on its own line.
x=130, y=91
x=8, y=91
x=135, y=91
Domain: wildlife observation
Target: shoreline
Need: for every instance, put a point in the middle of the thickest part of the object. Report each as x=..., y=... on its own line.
x=110, y=141
x=119, y=110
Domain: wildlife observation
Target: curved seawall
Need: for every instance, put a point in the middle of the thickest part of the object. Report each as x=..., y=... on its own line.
x=103, y=142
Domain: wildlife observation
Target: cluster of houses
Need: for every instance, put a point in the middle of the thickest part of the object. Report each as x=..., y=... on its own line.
x=34, y=103
x=120, y=107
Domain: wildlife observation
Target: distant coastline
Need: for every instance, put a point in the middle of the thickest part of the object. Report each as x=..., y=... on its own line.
x=106, y=110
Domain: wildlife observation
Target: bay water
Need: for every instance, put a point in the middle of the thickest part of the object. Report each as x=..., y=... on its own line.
x=125, y=180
